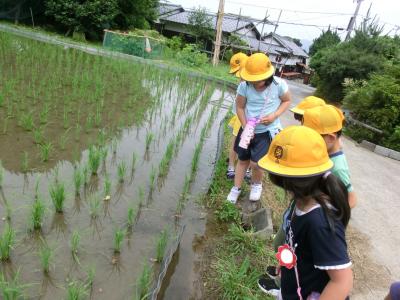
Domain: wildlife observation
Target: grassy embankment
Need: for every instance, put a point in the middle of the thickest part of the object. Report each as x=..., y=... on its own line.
x=233, y=258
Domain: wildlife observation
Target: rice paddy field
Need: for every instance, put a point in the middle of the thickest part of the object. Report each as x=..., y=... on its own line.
x=102, y=161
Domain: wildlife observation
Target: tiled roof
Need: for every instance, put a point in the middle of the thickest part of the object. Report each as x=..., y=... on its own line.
x=288, y=44
x=166, y=8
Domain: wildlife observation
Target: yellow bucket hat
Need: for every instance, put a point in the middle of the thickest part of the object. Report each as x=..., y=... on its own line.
x=237, y=62
x=324, y=119
x=307, y=103
x=297, y=151
x=258, y=67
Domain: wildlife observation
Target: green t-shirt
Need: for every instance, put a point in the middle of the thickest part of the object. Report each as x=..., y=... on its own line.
x=341, y=169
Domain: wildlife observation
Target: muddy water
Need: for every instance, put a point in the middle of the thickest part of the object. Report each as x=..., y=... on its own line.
x=115, y=276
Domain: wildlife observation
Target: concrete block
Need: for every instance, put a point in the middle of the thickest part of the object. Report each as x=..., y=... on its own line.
x=368, y=145
x=394, y=154
x=382, y=150
x=260, y=221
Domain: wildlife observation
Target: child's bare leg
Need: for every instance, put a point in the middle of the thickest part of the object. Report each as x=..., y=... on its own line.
x=232, y=155
x=257, y=173
x=241, y=168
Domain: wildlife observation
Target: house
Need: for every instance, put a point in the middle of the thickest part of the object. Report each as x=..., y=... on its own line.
x=174, y=20
x=285, y=54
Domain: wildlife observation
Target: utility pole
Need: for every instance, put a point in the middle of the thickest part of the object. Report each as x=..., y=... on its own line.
x=353, y=20
x=262, y=30
x=276, y=26
x=218, y=38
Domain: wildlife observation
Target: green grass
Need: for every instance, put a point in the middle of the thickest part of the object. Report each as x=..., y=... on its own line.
x=119, y=236
x=238, y=280
x=75, y=242
x=57, y=194
x=7, y=240
x=46, y=255
x=143, y=282
x=121, y=171
x=38, y=211
x=161, y=246
x=228, y=212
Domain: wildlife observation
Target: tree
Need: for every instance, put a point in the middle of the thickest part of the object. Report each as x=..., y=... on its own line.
x=325, y=40
x=89, y=17
x=201, y=25
x=365, y=53
x=135, y=13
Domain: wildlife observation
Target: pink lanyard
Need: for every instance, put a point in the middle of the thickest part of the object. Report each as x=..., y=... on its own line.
x=296, y=272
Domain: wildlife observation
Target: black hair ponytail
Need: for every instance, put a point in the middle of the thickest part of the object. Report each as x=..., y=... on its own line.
x=328, y=191
x=338, y=197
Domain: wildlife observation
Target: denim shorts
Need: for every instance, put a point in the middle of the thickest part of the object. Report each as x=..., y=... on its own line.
x=257, y=148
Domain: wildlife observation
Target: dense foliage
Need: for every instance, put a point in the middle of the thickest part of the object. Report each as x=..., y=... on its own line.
x=201, y=25
x=364, y=73
x=325, y=40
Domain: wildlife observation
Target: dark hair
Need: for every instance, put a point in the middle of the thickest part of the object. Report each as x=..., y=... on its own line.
x=325, y=191
x=298, y=117
x=267, y=81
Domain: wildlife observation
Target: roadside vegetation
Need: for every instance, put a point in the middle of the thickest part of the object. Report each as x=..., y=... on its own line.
x=234, y=258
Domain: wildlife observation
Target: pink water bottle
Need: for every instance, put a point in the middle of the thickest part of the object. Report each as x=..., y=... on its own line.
x=248, y=133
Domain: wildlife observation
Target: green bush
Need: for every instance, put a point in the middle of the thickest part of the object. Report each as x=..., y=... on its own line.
x=228, y=212
x=191, y=56
x=376, y=102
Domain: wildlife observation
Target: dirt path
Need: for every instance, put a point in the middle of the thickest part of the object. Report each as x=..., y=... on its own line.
x=374, y=231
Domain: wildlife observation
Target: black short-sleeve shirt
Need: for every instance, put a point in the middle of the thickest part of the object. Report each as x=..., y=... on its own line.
x=318, y=249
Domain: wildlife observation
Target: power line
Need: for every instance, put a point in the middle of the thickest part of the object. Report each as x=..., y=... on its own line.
x=291, y=10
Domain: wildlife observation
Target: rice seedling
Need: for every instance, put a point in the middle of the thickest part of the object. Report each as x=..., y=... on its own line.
x=75, y=242
x=76, y=291
x=78, y=130
x=143, y=282
x=57, y=194
x=152, y=177
x=65, y=118
x=11, y=289
x=25, y=162
x=26, y=121
x=133, y=163
x=101, y=137
x=121, y=171
x=38, y=211
x=9, y=210
x=38, y=135
x=94, y=159
x=90, y=273
x=46, y=255
x=37, y=183
x=103, y=153
x=161, y=245
x=44, y=114
x=195, y=160
x=119, y=236
x=45, y=150
x=1, y=174
x=89, y=123
x=132, y=215
x=85, y=173
x=78, y=180
x=186, y=187
x=114, y=146
x=7, y=240
x=94, y=205
x=141, y=196
x=5, y=125
x=97, y=117
x=63, y=140
x=149, y=139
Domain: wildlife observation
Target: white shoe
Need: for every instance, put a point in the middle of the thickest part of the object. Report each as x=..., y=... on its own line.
x=255, y=192
x=233, y=195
